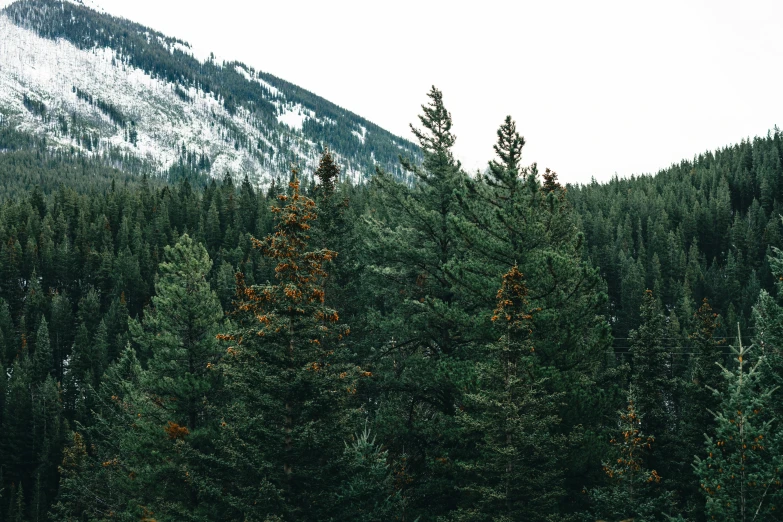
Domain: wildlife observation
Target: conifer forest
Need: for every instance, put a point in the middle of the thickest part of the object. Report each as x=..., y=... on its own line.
x=430, y=345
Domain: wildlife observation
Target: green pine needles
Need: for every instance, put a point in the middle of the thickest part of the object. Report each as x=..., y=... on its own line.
x=740, y=471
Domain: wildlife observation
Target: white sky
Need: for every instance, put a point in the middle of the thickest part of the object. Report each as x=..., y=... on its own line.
x=596, y=88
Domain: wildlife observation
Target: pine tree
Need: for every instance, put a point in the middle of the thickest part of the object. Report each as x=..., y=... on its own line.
x=633, y=492
x=89, y=359
x=331, y=225
x=10, y=273
x=116, y=320
x=17, y=446
x=89, y=313
x=418, y=247
x=43, y=363
x=283, y=428
x=550, y=183
x=16, y=508
x=118, y=465
x=368, y=493
x=99, y=483
x=48, y=434
x=225, y=284
x=177, y=334
x=695, y=405
x=75, y=465
x=36, y=304
x=248, y=206
x=7, y=333
x=740, y=472
x=328, y=173
x=510, y=220
x=62, y=331
x=417, y=311
x=768, y=319
x=709, y=351
x=651, y=377
x=513, y=471
x=212, y=231
x=335, y=228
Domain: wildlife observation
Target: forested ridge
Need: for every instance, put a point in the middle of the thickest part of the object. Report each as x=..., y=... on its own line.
x=703, y=228
x=460, y=347
x=253, y=124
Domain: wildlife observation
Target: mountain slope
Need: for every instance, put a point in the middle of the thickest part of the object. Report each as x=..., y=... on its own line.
x=113, y=88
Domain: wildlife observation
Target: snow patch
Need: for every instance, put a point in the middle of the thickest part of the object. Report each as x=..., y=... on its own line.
x=271, y=88
x=185, y=49
x=361, y=136
x=294, y=116
x=249, y=76
x=244, y=72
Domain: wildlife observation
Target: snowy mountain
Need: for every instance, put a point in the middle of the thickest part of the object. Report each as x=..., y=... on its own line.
x=109, y=88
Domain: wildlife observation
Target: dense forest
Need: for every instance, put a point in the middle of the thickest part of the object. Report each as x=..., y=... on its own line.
x=441, y=346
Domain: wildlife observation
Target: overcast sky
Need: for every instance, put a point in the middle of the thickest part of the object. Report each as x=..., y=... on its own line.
x=596, y=88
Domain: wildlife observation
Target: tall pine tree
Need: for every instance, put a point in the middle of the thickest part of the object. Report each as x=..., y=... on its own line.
x=741, y=469
x=511, y=470
x=417, y=312
x=177, y=334
x=284, y=420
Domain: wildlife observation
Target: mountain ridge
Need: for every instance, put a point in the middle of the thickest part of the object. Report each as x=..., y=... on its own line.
x=138, y=92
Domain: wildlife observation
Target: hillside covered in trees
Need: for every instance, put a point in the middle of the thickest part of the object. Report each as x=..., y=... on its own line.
x=452, y=347
x=115, y=89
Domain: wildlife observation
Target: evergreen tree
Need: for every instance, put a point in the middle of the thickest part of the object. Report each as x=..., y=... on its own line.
x=16, y=508
x=513, y=471
x=117, y=465
x=633, y=492
x=7, y=332
x=177, y=334
x=741, y=474
x=75, y=466
x=368, y=493
x=212, y=231
x=89, y=359
x=62, y=331
x=48, y=432
x=331, y=225
x=708, y=350
x=511, y=220
x=419, y=249
x=328, y=174
x=768, y=319
x=335, y=228
x=697, y=402
x=651, y=377
x=43, y=364
x=116, y=319
x=89, y=313
x=36, y=305
x=285, y=421
x=417, y=310
x=17, y=445
x=225, y=284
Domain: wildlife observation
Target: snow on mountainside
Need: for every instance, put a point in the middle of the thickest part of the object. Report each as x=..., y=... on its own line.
x=50, y=72
x=111, y=88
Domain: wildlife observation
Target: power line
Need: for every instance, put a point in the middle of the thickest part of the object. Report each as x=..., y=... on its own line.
x=672, y=353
